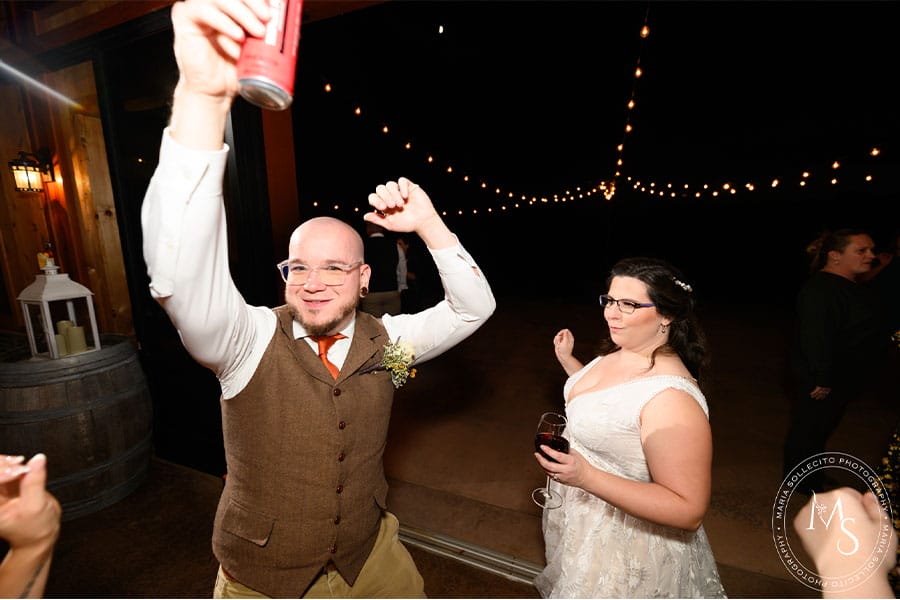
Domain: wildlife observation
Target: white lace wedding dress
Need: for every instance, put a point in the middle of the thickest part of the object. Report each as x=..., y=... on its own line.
x=595, y=550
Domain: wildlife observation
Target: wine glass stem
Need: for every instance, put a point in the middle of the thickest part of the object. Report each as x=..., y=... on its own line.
x=548, y=486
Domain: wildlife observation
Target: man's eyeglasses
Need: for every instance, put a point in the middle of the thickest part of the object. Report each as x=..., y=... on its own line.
x=626, y=307
x=297, y=274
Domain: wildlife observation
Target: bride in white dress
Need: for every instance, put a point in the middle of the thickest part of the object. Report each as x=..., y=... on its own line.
x=636, y=480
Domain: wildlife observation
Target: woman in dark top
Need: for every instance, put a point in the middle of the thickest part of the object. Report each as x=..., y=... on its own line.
x=836, y=345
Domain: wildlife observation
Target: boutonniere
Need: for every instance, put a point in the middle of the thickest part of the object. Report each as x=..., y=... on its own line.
x=397, y=360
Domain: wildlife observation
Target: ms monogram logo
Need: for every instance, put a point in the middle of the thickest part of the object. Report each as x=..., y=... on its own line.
x=854, y=542
x=817, y=510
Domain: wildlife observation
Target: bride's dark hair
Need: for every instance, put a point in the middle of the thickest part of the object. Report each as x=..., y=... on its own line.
x=674, y=298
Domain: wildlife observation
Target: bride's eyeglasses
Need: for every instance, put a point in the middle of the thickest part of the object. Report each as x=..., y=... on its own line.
x=626, y=307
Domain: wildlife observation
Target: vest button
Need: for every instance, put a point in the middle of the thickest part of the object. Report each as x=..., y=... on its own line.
x=339, y=489
x=333, y=549
x=337, y=520
x=342, y=424
x=341, y=457
x=337, y=391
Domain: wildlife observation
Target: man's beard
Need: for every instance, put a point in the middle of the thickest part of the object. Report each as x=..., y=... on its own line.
x=324, y=328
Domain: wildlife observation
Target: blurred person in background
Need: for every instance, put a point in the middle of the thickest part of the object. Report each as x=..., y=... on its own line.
x=387, y=261
x=839, y=344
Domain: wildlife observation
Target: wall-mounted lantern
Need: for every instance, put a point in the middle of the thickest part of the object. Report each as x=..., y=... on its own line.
x=31, y=170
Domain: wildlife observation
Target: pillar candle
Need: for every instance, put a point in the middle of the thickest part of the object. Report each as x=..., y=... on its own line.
x=63, y=326
x=75, y=339
x=62, y=346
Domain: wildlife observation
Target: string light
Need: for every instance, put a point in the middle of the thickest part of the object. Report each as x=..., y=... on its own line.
x=638, y=73
x=607, y=189
x=803, y=181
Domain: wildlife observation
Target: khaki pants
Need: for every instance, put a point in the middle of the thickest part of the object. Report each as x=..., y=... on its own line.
x=389, y=572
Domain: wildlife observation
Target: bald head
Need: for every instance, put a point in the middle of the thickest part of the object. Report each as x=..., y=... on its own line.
x=326, y=235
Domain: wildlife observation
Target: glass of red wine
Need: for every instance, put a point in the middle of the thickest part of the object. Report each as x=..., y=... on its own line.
x=549, y=433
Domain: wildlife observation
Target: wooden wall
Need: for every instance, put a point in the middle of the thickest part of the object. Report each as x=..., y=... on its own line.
x=23, y=222
x=76, y=213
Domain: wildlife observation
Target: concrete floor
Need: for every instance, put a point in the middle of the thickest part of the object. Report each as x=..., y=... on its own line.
x=460, y=464
x=460, y=451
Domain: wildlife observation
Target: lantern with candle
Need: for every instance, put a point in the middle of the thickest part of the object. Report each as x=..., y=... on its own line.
x=54, y=294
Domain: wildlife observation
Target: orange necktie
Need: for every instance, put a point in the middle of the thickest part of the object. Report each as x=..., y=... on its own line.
x=325, y=342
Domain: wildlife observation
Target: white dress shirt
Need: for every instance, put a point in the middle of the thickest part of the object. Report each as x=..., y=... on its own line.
x=186, y=250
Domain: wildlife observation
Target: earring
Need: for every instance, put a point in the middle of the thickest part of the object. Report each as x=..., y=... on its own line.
x=663, y=328
x=363, y=292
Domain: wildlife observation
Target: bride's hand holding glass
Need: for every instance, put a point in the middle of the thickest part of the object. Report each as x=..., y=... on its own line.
x=549, y=436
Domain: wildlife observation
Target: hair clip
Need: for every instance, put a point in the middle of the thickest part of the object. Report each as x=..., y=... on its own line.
x=683, y=285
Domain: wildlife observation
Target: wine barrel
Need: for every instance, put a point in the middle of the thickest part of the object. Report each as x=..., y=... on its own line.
x=90, y=413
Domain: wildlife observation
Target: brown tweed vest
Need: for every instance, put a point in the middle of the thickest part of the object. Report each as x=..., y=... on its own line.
x=305, y=478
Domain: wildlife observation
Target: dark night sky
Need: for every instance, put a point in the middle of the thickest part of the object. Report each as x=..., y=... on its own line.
x=527, y=89
x=530, y=96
